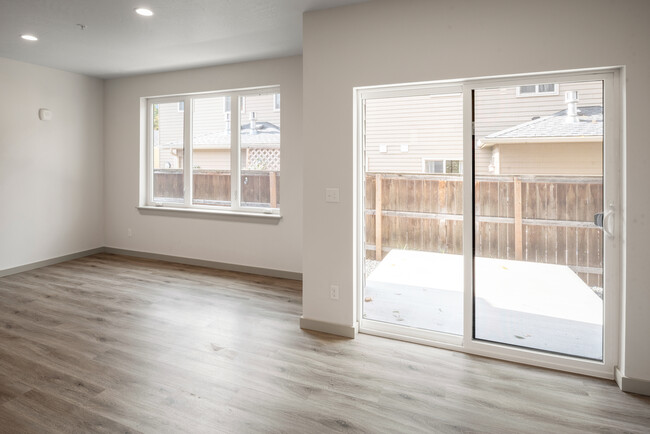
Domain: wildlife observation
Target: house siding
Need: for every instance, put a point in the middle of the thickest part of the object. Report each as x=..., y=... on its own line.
x=208, y=117
x=432, y=125
x=585, y=159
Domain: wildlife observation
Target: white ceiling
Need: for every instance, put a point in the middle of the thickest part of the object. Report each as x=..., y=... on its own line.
x=181, y=34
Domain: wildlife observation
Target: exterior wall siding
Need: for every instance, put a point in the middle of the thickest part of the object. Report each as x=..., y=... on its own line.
x=580, y=159
x=209, y=117
x=432, y=125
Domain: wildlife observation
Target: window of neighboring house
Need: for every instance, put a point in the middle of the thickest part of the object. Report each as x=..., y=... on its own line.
x=443, y=166
x=276, y=101
x=226, y=105
x=538, y=89
x=197, y=161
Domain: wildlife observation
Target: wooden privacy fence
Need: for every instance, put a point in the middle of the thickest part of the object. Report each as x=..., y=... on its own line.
x=213, y=186
x=530, y=218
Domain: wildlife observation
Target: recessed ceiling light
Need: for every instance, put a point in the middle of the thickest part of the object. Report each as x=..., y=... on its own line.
x=29, y=37
x=144, y=12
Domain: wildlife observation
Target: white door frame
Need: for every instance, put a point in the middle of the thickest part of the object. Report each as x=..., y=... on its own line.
x=611, y=78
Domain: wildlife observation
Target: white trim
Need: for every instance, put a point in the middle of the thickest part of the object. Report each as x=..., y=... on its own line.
x=188, y=146
x=487, y=142
x=468, y=215
x=329, y=328
x=612, y=108
x=411, y=334
x=51, y=261
x=612, y=195
x=213, y=211
x=271, y=272
x=632, y=385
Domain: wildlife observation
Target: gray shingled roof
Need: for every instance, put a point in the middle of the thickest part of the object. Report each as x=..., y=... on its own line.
x=590, y=123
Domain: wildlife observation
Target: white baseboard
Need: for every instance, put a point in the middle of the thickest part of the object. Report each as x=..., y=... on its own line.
x=632, y=385
x=330, y=328
x=208, y=264
x=167, y=258
x=51, y=261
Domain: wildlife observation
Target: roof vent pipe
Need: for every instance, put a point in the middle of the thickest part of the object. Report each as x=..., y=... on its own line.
x=571, y=99
x=253, y=119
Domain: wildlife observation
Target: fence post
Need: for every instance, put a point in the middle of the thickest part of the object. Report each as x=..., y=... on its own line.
x=518, y=225
x=378, y=206
x=273, y=190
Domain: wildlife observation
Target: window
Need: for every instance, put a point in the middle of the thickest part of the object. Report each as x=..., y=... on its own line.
x=211, y=158
x=443, y=166
x=537, y=89
x=453, y=166
x=226, y=105
x=276, y=101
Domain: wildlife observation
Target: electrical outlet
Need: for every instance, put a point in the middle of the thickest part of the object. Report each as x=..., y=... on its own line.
x=334, y=292
x=331, y=195
x=129, y=233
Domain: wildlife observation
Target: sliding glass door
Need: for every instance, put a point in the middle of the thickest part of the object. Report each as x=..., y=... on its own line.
x=487, y=216
x=538, y=191
x=414, y=209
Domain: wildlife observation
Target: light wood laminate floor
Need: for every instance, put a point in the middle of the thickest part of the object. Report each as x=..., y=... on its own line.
x=115, y=344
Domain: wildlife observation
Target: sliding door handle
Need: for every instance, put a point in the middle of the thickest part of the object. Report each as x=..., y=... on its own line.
x=607, y=218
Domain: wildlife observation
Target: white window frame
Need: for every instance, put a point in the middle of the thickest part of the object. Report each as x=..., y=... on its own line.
x=556, y=90
x=613, y=94
x=236, y=95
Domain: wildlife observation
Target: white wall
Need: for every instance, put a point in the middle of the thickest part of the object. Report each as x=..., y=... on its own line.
x=51, y=198
x=250, y=242
x=383, y=42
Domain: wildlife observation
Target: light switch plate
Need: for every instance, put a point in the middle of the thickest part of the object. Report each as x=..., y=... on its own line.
x=331, y=195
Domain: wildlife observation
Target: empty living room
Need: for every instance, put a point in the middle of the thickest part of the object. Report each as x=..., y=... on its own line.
x=364, y=216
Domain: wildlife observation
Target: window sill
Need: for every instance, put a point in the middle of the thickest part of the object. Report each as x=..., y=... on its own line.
x=147, y=209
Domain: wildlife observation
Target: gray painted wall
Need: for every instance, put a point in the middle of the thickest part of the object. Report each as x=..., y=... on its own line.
x=51, y=172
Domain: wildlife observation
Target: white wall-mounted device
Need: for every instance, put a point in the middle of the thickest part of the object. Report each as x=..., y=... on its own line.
x=44, y=114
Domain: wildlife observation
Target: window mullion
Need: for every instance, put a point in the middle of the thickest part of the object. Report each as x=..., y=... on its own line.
x=468, y=215
x=187, y=151
x=235, y=171
x=150, y=153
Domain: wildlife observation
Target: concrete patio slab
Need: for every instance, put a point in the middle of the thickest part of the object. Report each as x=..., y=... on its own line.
x=541, y=306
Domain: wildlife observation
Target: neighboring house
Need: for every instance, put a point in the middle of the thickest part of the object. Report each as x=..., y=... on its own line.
x=569, y=142
x=423, y=134
x=211, y=131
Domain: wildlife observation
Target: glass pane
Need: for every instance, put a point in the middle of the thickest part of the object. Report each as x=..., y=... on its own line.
x=260, y=152
x=168, y=153
x=527, y=89
x=546, y=88
x=414, y=219
x=211, y=151
x=453, y=166
x=538, y=189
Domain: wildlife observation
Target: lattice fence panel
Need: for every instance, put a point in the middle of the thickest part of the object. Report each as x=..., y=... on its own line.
x=264, y=159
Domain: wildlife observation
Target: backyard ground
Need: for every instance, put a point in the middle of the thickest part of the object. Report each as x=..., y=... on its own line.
x=541, y=306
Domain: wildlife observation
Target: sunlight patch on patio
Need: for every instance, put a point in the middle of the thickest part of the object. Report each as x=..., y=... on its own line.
x=535, y=305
